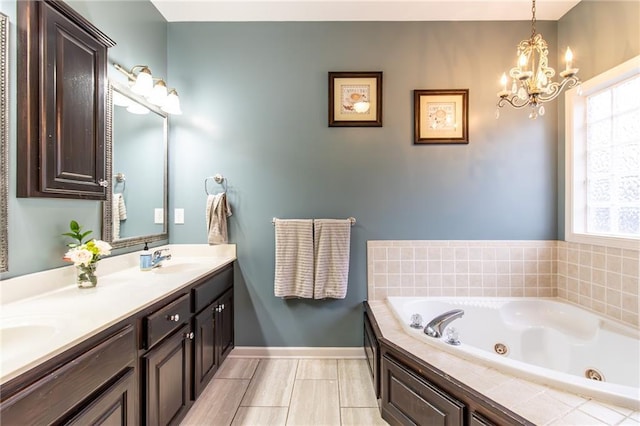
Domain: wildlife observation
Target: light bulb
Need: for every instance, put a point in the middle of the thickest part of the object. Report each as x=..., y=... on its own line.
x=568, y=57
x=158, y=95
x=144, y=82
x=172, y=105
x=503, y=81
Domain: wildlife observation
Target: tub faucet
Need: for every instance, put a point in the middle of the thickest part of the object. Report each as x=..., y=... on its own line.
x=436, y=326
x=157, y=258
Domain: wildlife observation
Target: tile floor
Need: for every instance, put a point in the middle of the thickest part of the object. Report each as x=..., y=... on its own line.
x=300, y=392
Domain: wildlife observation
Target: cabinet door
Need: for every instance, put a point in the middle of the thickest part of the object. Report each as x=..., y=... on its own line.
x=61, y=103
x=204, y=345
x=113, y=407
x=167, y=370
x=225, y=325
x=410, y=400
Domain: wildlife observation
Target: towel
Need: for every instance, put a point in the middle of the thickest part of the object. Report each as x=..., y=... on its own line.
x=217, y=212
x=331, y=251
x=119, y=213
x=294, y=258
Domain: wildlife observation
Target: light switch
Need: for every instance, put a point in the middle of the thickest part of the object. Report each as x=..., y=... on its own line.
x=178, y=216
x=158, y=216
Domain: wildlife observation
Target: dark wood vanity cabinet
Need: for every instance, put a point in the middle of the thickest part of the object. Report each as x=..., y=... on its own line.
x=148, y=369
x=213, y=327
x=167, y=379
x=94, y=383
x=62, y=70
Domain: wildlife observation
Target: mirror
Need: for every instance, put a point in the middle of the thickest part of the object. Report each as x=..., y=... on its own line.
x=4, y=141
x=137, y=200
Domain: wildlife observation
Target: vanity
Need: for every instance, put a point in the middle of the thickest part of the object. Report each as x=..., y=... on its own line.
x=137, y=349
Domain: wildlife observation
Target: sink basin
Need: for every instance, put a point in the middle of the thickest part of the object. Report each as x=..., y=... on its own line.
x=19, y=335
x=170, y=267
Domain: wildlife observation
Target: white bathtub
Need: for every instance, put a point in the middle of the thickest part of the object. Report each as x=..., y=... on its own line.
x=548, y=341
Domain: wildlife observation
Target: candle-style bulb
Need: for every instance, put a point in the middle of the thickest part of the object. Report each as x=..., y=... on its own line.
x=522, y=61
x=503, y=81
x=568, y=57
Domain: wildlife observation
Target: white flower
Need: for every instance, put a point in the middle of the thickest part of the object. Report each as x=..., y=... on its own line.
x=79, y=256
x=104, y=248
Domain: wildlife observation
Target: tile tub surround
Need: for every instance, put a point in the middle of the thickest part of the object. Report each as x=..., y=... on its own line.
x=78, y=314
x=600, y=279
x=537, y=403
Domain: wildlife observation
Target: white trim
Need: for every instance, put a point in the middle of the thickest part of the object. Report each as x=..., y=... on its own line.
x=296, y=352
x=574, y=115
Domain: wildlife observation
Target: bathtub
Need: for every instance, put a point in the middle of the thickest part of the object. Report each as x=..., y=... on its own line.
x=544, y=340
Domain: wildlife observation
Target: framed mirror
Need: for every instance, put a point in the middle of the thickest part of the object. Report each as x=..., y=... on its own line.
x=136, y=155
x=4, y=141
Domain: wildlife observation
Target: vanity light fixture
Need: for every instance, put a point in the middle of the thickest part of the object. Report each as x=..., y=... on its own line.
x=532, y=83
x=142, y=83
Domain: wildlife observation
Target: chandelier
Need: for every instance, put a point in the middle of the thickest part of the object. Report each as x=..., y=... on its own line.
x=532, y=76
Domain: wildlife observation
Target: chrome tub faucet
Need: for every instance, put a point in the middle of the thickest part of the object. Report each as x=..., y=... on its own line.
x=436, y=326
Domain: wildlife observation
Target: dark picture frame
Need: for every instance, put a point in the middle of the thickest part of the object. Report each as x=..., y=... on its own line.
x=441, y=116
x=350, y=93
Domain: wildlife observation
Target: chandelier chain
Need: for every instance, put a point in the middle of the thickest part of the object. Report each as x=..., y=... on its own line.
x=533, y=19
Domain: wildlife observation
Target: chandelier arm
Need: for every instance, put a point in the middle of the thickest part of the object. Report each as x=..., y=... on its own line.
x=513, y=101
x=557, y=88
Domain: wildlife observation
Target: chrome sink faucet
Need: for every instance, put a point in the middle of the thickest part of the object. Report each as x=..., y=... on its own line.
x=157, y=258
x=436, y=326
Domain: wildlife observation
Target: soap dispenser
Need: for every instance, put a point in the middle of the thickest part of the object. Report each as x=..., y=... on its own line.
x=145, y=258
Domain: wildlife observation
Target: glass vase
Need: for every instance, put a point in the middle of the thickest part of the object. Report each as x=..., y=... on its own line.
x=86, y=276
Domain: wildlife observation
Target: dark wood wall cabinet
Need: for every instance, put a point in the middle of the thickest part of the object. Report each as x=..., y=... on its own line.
x=413, y=392
x=147, y=369
x=62, y=69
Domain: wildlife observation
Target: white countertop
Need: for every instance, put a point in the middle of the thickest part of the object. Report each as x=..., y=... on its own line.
x=44, y=314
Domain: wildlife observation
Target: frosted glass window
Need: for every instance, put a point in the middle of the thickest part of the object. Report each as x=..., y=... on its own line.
x=612, y=129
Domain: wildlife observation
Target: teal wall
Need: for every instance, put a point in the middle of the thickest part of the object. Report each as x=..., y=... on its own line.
x=254, y=97
x=616, y=26
x=35, y=224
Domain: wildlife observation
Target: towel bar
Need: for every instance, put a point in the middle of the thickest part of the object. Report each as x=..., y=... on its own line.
x=351, y=219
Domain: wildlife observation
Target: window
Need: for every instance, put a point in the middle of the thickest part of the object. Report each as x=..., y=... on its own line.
x=603, y=159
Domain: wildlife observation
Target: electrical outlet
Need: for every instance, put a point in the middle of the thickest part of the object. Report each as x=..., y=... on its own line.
x=158, y=215
x=178, y=216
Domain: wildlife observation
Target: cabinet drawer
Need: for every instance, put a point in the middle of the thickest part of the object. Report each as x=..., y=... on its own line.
x=164, y=321
x=413, y=401
x=208, y=291
x=56, y=394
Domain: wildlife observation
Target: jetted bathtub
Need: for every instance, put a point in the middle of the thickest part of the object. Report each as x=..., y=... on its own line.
x=541, y=339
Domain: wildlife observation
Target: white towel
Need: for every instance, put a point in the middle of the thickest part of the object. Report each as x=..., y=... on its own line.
x=216, y=213
x=119, y=213
x=331, y=251
x=294, y=258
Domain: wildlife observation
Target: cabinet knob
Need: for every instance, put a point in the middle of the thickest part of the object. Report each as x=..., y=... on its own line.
x=189, y=335
x=174, y=318
x=103, y=183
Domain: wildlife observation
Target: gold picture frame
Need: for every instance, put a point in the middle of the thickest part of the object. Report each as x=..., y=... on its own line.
x=441, y=116
x=355, y=99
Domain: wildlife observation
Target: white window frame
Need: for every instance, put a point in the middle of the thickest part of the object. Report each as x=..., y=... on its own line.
x=575, y=163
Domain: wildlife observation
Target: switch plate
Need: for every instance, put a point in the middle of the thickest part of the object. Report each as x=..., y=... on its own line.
x=178, y=216
x=158, y=215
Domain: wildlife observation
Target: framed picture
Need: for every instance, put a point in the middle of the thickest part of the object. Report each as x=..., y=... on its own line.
x=441, y=116
x=355, y=99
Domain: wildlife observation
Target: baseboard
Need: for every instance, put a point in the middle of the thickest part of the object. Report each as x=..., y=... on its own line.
x=296, y=352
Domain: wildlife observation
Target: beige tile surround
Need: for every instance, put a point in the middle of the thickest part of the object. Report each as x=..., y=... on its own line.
x=601, y=279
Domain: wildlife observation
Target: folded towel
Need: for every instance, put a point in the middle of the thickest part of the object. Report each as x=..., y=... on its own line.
x=217, y=212
x=294, y=258
x=331, y=250
x=119, y=213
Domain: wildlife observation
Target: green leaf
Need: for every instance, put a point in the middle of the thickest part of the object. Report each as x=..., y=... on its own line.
x=74, y=226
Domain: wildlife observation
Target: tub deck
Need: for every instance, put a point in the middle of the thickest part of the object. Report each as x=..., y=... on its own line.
x=540, y=404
